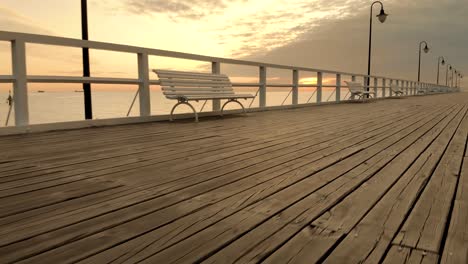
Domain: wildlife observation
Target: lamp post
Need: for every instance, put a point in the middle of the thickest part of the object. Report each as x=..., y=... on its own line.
x=382, y=16
x=86, y=72
x=451, y=78
x=456, y=74
x=438, y=66
x=449, y=67
x=426, y=50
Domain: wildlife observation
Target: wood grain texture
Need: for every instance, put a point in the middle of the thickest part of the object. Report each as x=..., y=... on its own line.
x=301, y=185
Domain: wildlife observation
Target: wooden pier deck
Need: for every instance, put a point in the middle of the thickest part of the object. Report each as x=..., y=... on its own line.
x=376, y=182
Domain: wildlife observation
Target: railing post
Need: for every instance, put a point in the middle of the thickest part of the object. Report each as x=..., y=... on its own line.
x=364, y=84
x=384, y=84
x=353, y=79
x=20, y=85
x=216, y=69
x=319, y=87
x=144, y=86
x=391, y=91
x=262, y=91
x=376, y=84
x=338, y=88
x=295, y=87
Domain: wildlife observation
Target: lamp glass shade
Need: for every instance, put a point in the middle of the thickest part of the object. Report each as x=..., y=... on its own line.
x=382, y=16
x=443, y=62
x=426, y=49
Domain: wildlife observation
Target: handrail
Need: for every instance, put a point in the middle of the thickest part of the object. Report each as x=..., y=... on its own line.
x=19, y=78
x=78, y=43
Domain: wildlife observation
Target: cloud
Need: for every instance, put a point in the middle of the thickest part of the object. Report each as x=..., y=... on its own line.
x=341, y=44
x=11, y=20
x=246, y=27
x=177, y=9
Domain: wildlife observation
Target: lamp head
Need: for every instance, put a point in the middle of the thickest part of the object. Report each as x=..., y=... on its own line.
x=443, y=62
x=382, y=16
x=426, y=49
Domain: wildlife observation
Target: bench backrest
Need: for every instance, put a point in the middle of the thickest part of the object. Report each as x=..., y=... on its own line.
x=355, y=87
x=175, y=83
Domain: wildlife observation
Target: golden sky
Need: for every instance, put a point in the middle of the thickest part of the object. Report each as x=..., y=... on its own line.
x=329, y=34
x=222, y=29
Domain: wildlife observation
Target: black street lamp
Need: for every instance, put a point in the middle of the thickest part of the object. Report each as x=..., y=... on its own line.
x=438, y=66
x=86, y=72
x=451, y=78
x=449, y=67
x=382, y=16
x=426, y=50
x=456, y=73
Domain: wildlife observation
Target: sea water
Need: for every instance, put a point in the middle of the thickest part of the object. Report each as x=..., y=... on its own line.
x=63, y=106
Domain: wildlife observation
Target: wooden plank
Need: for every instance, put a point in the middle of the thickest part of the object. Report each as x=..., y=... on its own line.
x=456, y=244
x=207, y=197
x=404, y=255
x=332, y=192
x=229, y=228
x=119, y=218
x=241, y=145
x=369, y=240
x=425, y=226
x=303, y=247
x=331, y=136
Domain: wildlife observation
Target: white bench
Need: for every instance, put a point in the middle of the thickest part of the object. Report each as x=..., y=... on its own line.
x=396, y=90
x=357, y=89
x=421, y=90
x=194, y=86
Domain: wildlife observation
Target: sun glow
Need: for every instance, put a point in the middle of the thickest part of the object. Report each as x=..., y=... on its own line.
x=309, y=80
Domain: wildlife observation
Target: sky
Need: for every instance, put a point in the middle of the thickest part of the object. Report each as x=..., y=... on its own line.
x=325, y=34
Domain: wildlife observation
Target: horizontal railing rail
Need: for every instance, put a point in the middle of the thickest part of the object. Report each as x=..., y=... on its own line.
x=20, y=78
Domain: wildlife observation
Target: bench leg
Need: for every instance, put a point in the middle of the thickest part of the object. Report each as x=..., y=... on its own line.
x=185, y=103
x=232, y=100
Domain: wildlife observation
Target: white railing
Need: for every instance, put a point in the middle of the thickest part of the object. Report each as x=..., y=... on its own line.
x=20, y=78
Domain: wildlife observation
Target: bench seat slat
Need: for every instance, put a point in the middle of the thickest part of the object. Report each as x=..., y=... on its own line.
x=173, y=74
x=186, y=72
x=215, y=77
x=188, y=89
x=198, y=93
x=175, y=82
x=209, y=97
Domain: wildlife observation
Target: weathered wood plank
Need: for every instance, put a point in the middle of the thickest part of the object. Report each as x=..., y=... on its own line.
x=404, y=255
x=224, y=231
x=425, y=226
x=100, y=222
x=383, y=163
x=369, y=240
x=456, y=244
x=274, y=175
x=306, y=146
